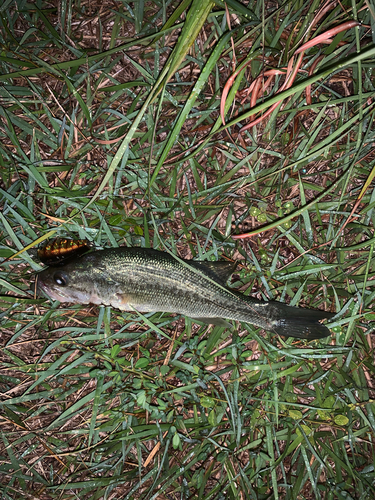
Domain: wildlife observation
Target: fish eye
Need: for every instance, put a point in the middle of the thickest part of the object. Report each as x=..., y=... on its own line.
x=60, y=278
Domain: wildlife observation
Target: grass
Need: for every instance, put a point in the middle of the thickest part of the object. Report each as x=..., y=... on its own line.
x=111, y=131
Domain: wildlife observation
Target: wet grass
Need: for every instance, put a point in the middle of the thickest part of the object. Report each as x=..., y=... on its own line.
x=111, y=131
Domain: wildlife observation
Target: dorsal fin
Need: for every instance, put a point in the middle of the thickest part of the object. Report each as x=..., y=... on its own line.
x=218, y=271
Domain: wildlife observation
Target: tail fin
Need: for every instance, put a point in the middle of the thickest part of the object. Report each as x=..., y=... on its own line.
x=299, y=322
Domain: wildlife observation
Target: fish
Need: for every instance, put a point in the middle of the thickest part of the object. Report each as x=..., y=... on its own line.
x=147, y=280
x=58, y=251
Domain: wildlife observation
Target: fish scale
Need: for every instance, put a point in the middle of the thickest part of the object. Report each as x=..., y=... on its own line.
x=166, y=285
x=150, y=281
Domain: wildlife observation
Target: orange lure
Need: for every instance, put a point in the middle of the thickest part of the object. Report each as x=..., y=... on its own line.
x=57, y=251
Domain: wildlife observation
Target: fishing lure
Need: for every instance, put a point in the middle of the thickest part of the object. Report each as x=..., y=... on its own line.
x=58, y=251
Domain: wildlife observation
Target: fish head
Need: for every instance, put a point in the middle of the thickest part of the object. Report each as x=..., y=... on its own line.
x=70, y=283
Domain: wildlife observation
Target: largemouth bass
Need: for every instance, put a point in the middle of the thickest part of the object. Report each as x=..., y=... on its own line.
x=150, y=281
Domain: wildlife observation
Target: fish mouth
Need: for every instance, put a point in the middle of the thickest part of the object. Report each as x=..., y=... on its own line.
x=63, y=295
x=47, y=290
x=40, y=287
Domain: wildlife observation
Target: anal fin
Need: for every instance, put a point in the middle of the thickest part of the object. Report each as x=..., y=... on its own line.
x=214, y=321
